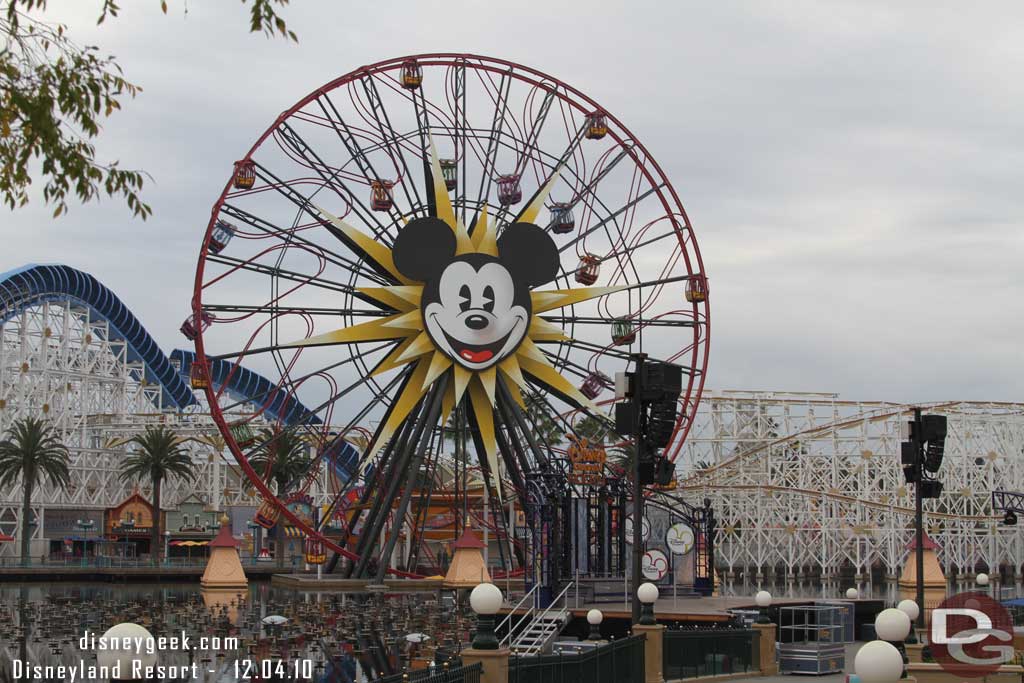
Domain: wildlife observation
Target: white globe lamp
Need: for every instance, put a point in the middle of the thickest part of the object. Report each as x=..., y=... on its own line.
x=892, y=625
x=486, y=600
x=852, y=594
x=648, y=594
x=120, y=660
x=878, y=662
x=910, y=608
x=594, y=618
x=763, y=599
x=982, y=579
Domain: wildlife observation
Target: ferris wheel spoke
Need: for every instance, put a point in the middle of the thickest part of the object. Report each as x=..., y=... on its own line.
x=333, y=180
x=388, y=135
x=271, y=230
x=278, y=309
x=493, y=137
x=595, y=320
x=276, y=271
x=460, y=125
x=356, y=152
x=612, y=216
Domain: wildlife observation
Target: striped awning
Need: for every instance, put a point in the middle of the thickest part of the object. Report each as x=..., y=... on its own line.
x=188, y=544
x=292, y=532
x=5, y=537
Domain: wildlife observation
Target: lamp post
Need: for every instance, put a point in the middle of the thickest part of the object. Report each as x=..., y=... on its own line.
x=878, y=662
x=167, y=546
x=486, y=600
x=982, y=581
x=892, y=625
x=647, y=593
x=910, y=608
x=594, y=618
x=763, y=599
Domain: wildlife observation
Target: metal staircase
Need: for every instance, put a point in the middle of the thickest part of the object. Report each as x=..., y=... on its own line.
x=541, y=627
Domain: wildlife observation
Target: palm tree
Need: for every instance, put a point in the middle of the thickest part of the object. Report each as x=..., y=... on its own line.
x=31, y=450
x=284, y=459
x=158, y=456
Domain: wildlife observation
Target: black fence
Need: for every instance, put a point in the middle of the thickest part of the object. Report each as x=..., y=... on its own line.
x=619, y=661
x=439, y=674
x=688, y=654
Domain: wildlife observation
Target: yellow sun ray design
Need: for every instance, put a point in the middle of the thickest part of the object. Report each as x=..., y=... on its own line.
x=405, y=326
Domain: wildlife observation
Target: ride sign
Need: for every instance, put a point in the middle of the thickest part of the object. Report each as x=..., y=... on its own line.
x=586, y=463
x=971, y=635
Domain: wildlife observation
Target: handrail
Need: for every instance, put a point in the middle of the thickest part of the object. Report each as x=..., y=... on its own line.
x=512, y=629
x=547, y=609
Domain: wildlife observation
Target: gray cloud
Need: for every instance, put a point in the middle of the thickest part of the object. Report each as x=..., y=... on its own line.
x=852, y=171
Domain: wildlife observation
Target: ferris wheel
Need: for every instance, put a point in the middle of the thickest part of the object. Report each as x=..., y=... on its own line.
x=441, y=239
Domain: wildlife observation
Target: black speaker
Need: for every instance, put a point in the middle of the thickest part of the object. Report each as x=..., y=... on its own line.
x=929, y=488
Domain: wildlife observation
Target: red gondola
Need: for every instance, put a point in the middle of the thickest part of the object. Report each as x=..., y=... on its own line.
x=381, y=197
x=193, y=326
x=589, y=269
x=245, y=174
x=509, y=191
x=267, y=515
x=595, y=383
x=623, y=333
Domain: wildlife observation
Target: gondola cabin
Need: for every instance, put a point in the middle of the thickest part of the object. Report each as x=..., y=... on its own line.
x=588, y=270
x=412, y=74
x=562, y=220
x=193, y=326
x=450, y=172
x=199, y=378
x=245, y=174
x=696, y=290
x=381, y=196
x=623, y=333
x=243, y=434
x=594, y=384
x=315, y=551
x=267, y=515
x=222, y=234
x=597, y=125
x=509, y=191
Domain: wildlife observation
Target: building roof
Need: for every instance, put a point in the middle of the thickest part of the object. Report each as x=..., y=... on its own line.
x=926, y=542
x=224, y=538
x=469, y=539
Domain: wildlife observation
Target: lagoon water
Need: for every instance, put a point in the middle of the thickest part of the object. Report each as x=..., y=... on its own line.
x=52, y=632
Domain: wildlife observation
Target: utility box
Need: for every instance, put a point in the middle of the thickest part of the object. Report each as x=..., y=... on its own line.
x=812, y=639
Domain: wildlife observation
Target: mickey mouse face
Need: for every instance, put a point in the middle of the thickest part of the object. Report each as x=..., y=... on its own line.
x=476, y=308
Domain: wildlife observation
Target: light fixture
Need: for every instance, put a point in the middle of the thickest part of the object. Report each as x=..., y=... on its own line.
x=763, y=599
x=486, y=600
x=594, y=618
x=648, y=594
x=878, y=662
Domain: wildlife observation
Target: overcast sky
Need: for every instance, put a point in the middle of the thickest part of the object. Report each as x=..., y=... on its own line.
x=852, y=170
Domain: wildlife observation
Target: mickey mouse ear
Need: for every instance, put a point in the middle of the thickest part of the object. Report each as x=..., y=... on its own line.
x=423, y=248
x=529, y=253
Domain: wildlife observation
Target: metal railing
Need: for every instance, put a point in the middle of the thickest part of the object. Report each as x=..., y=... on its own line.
x=535, y=648
x=620, y=661
x=708, y=652
x=512, y=627
x=438, y=674
x=124, y=562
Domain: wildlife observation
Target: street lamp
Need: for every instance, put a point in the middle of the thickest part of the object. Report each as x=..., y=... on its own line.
x=486, y=600
x=892, y=625
x=167, y=545
x=763, y=599
x=648, y=594
x=594, y=618
x=852, y=594
x=912, y=610
x=982, y=581
x=878, y=662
